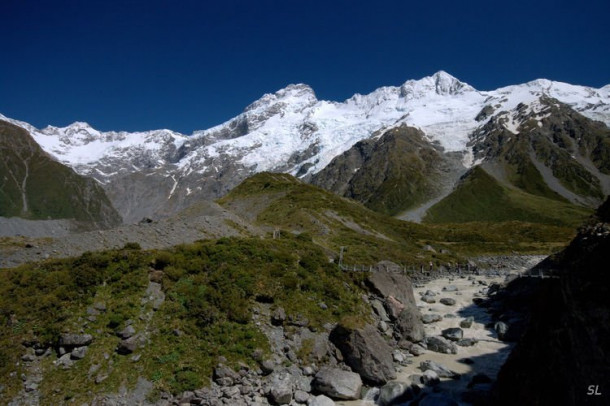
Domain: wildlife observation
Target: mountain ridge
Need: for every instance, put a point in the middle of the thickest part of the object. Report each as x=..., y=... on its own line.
x=291, y=131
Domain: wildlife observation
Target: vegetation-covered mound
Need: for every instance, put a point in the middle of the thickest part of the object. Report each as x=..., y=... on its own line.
x=210, y=289
x=281, y=201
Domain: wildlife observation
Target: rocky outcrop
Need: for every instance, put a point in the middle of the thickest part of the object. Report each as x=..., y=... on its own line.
x=366, y=352
x=563, y=357
x=397, y=291
x=388, y=281
x=409, y=325
x=338, y=384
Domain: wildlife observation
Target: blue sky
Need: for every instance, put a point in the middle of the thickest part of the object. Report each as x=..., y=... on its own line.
x=188, y=65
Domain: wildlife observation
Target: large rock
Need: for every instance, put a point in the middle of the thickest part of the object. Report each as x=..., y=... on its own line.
x=128, y=346
x=439, y=369
x=428, y=299
x=127, y=332
x=224, y=376
x=467, y=322
x=394, y=307
x=387, y=282
x=501, y=329
x=440, y=344
x=431, y=318
x=453, y=333
x=366, y=352
x=409, y=324
x=338, y=384
x=447, y=301
x=396, y=392
x=281, y=388
x=75, y=340
x=320, y=400
x=278, y=316
x=378, y=308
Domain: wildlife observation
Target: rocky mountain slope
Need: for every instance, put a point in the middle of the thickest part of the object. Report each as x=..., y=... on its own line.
x=158, y=173
x=398, y=170
x=36, y=187
x=564, y=356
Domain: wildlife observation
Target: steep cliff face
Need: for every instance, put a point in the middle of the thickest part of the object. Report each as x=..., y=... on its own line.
x=564, y=356
x=35, y=186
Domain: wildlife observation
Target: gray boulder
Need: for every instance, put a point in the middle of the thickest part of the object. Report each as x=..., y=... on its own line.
x=225, y=376
x=447, y=301
x=378, y=308
x=394, y=307
x=417, y=350
x=431, y=318
x=127, y=332
x=281, y=387
x=267, y=366
x=388, y=282
x=320, y=400
x=440, y=370
x=409, y=324
x=75, y=340
x=395, y=392
x=65, y=361
x=450, y=288
x=78, y=353
x=467, y=342
x=428, y=299
x=453, y=333
x=338, y=384
x=440, y=344
x=278, y=316
x=366, y=352
x=430, y=378
x=501, y=329
x=128, y=346
x=301, y=396
x=467, y=322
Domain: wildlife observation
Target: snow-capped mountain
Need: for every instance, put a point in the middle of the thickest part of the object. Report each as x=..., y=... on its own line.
x=292, y=131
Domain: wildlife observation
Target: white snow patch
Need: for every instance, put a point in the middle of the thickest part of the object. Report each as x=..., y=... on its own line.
x=173, y=187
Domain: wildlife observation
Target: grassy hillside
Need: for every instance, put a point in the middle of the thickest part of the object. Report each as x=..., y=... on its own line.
x=281, y=201
x=34, y=186
x=210, y=288
x=480, y=197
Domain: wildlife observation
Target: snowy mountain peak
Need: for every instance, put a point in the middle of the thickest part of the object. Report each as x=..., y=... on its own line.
x=441, y=83
x=447, y=84
x=297, y=96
